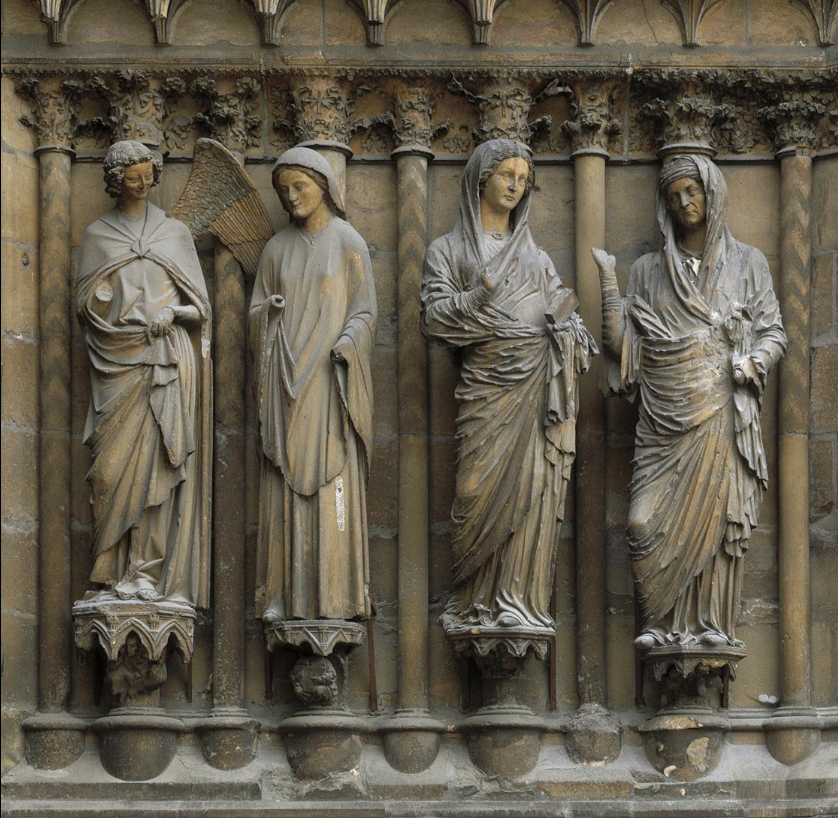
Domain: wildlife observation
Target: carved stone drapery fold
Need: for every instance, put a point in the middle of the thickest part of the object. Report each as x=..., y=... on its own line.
x=504, y=109
x=229, y=118
x=137, y=106
x=690, y=14
x=587, y=14
x=824, y=13
x=593, y=125
x=55, y=109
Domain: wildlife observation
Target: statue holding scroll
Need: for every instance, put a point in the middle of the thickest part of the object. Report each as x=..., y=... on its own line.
x=312, y=319
x=696, y=335
x=491, y=293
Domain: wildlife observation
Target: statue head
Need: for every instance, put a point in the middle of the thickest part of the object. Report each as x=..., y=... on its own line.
x=496, y=157
x=682, y=191
x=303, y=179
x=129, y=155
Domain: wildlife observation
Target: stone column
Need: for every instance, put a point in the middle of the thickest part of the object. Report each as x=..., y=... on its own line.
x=411, y=742
x=321, y=108
x=53, y=738
x=594, y=737
x=794, y=728
x=228, y=736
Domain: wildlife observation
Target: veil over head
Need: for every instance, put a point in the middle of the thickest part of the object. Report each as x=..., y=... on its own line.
x=307, y=158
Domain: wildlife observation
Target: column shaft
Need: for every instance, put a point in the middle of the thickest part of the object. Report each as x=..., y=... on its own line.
x=412, y=170
x=589, y=175
x=793, y=553
x=229, y=475
x=55, y=593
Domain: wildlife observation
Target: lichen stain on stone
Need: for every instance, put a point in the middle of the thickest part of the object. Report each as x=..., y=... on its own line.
x=698, y=753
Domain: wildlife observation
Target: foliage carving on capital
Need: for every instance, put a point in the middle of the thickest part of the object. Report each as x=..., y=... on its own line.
x=504, y=109
x=690, y=14
x=587, y=14
x=138, y=107
x=413, y=110
x=594, y=124
x=320, y=109
x=229, y=118
x=55, y=108
x=794, y=123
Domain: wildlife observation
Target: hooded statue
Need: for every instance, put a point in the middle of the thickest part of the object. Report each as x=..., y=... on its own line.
x=312, y=323
x=518, y=399
x=696, y=335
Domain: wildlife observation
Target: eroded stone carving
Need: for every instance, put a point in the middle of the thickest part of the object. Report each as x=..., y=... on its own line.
x=55, y=109
x=696, y=335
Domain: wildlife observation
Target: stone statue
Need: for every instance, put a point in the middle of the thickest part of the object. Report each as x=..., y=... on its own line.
x=142, y=301
x=697, y=333
x=491, y=293
x=312, y=321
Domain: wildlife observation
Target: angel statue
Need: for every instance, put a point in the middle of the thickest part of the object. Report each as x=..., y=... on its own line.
x=312, y=321
x=491, y=293
x=696, y=334
x=143, y=305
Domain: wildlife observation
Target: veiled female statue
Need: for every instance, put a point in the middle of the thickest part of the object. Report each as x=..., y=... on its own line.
x=142, y=301
x=312, y=320
x=696, y=335
x=491, y=293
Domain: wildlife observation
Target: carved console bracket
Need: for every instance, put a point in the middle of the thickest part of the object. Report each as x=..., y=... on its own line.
x=482, y=642
x=686, y=659
x=318, y=636
x=108, y=623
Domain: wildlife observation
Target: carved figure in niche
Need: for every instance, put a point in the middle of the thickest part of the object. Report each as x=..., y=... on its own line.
x=315, y=681
x=696, y=334
x=312, y=320
x=491, y=293
x=143, y=305
x=134, y=675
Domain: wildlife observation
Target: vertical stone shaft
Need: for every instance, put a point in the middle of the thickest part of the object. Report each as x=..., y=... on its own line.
x=412, y=170
x=229, y=477
x=589, y=176
x=55, y=310
x=793, y=556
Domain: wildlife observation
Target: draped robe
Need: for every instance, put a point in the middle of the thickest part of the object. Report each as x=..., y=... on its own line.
x=518, y=399
x=150, y=409
x=699, y=468
x=315, y=418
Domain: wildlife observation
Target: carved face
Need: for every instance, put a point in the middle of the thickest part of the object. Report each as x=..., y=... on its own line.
x=137, y=182
x=300, y=195
x=686, y=203
x=506, y=186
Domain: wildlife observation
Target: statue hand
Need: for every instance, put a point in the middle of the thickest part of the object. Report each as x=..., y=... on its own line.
x=605, y=262
x=744, y=370
x=277, y=301
x=161, y=324
x=487, y=281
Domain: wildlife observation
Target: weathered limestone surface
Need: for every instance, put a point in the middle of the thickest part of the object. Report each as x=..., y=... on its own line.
x=508, y=53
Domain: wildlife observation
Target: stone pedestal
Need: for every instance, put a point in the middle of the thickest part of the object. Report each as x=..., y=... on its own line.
x=504, y=736
x=685, y=740
x=411, y=740
x=137, y=739
x=325, y=738
x=53, y=740
x=228, y=738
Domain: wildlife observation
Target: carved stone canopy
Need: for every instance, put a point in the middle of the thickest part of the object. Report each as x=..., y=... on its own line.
x=321, y=637
x=107, y=621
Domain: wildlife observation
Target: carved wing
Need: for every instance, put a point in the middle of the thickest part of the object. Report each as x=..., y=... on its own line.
x=220, y=198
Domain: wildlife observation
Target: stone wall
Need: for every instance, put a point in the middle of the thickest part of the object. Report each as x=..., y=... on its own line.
x=504, y=70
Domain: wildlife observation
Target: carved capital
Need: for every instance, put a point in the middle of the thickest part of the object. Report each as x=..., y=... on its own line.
x=593, y=125
x=55, y=108
x=686, y=117
x=690, y=14
x=587, y=14
x=137, y=105
x=504, y=110
x=320, y=107
x=413, y=110
x=794, y=123
x=229, y=118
